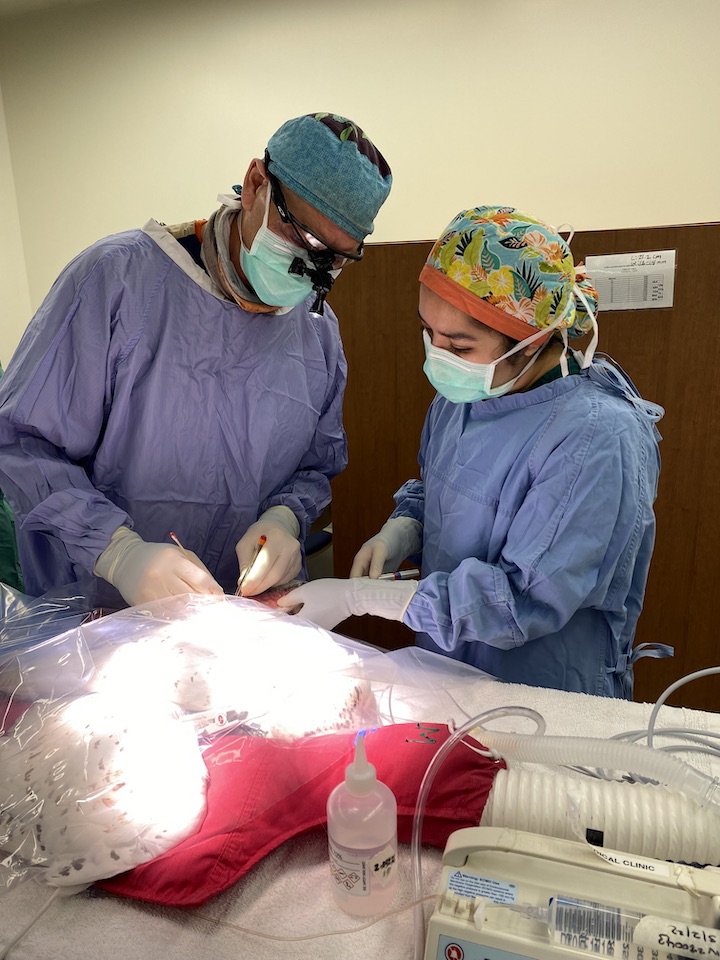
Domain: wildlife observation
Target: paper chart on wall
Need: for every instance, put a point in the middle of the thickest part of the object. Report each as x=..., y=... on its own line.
x=633, y=281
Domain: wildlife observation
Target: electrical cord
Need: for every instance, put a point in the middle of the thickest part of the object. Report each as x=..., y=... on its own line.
x=709, y=672
x=694, y=742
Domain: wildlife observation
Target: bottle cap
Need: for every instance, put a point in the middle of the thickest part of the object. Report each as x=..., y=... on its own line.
x=360, y=776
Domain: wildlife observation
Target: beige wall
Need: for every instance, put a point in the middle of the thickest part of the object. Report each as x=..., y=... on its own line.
x=14, y=293
x=601, y=113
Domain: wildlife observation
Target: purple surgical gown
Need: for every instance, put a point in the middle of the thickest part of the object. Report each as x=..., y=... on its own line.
x=538, y=529
x=140, y=396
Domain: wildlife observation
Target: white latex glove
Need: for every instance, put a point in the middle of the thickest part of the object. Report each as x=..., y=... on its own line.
x=329, y=602
x=280, y=558
x=398, y=539
x=148, y=571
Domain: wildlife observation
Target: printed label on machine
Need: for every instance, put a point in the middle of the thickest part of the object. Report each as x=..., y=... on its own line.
x=656, y=868
x=450, y=948
x=473, y=885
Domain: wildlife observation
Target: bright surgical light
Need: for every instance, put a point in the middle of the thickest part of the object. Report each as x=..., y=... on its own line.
x=95, y=782
x=102, y=786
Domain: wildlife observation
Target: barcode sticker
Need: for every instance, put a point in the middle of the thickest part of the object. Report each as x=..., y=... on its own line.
x=597, y=928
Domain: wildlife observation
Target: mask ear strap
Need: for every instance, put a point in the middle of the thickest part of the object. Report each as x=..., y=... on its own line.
x=563, y=357
x=590, y=352
x=231, y=200
x=570, y=229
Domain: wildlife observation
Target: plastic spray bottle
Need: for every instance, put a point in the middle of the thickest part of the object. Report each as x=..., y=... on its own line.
x=362, y=836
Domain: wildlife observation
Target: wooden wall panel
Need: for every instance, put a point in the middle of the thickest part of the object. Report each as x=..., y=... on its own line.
x=673, y=356
x=385, y=404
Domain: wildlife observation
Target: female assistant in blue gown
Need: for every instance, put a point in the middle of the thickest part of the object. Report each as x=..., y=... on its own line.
x=533, y=516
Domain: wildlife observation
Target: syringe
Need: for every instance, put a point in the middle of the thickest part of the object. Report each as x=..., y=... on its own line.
x=597, y=928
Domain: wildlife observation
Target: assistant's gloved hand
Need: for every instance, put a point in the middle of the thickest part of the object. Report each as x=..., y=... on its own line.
x=148, y=571
x=398, y=539
x=329, y=602
x=280, y=558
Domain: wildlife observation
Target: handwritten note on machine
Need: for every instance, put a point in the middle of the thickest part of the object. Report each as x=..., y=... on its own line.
x=633, y=281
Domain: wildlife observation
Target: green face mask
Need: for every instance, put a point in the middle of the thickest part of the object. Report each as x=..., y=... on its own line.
x=267, y=264
x=461, y=381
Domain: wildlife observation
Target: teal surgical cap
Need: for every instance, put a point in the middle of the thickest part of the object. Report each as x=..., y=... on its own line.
x=333, y=165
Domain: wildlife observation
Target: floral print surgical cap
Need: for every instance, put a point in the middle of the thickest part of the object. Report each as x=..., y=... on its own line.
x=509, y=270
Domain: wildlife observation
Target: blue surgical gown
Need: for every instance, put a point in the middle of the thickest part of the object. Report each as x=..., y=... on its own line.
x=140, y=396
x=538, y=529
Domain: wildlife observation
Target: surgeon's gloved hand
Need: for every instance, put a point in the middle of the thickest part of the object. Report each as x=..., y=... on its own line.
x=329, y=602
x=280, y=558
x=399, y=538
x=149, y=571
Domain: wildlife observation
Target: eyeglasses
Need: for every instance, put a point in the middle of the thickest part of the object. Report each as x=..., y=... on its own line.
x=323, y=256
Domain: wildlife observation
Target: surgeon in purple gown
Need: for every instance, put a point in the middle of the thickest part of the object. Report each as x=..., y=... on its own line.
x=189, y=379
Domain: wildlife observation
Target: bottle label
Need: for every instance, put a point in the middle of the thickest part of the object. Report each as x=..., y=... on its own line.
x=358, y=872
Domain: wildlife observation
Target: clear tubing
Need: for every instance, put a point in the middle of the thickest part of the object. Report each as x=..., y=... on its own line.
x=427, y=782
x=708, y=672
x=612, y=754
x=641, y=819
